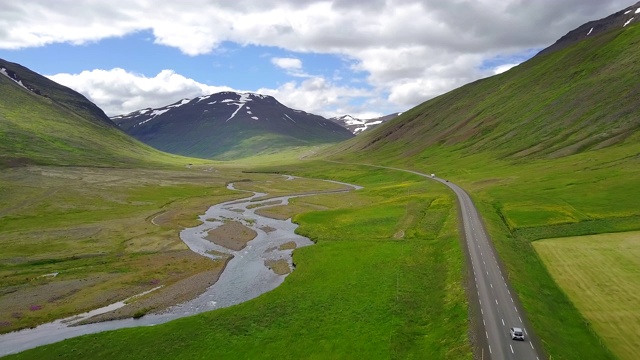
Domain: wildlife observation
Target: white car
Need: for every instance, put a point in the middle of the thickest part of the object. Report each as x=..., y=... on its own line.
x=516, y=333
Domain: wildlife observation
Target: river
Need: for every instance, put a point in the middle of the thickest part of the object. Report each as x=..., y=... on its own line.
x=245, y=277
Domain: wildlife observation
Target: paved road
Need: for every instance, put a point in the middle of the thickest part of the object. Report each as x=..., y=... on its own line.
x=498, y=309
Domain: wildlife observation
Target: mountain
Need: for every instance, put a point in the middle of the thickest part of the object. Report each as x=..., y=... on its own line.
x=43, y=122
x=60, y=95
x=548, y=149
x=620, y=19
x=357, y=126
x=228, y=125
x=580, y=98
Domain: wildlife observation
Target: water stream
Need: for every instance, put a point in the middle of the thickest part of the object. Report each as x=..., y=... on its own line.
x=245, y=276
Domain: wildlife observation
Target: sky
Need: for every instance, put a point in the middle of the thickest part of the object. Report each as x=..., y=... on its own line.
x=365, y=58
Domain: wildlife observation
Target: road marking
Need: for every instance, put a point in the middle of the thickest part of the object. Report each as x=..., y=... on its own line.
x=531, y=344
x=509, y=291
x=491, y=285
x=489, y=349
x=525, y=331
x=511, y=348
x=496, y=301
x=502, y=322
x=511, y=299
x=482, y=312
x=486, y=333
x=520, y=319
x=516, y=309
x=484, y=323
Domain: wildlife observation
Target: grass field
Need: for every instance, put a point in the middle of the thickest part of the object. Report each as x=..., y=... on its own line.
x=601, y=276
x=523, y=201
x=359, y=292
x=107, y=233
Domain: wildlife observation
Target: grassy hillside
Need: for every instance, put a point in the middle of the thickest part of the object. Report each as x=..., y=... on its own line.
x=582, y=98
x=550, y=148
x=35, y=129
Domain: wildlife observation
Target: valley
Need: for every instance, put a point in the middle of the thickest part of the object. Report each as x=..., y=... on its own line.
x=228, y=225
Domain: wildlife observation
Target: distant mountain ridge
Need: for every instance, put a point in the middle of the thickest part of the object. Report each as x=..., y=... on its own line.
x=357, y=126
x=228, y=125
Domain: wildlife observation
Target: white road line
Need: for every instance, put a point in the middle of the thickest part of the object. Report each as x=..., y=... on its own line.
x=484, y=323
x=525, y=331
x=491, y=285
x=509, y=291
x=489, y=349
x=531, y=344
x=496, y=301
x=516, y=308
x=502, y=322
x=486, y=333
x=511, y=299
x=520, y=319
x=511, y=348
x=482, y=312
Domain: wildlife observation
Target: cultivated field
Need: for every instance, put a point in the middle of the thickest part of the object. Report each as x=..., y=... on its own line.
x=601, y=276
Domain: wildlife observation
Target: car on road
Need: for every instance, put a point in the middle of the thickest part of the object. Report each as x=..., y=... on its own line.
x=516, y=333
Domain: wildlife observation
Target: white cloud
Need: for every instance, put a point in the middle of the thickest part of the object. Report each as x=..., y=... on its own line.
x=317, y=95
x=287, y=63
x=117, y=91
x=502, y=68
x=409, y=49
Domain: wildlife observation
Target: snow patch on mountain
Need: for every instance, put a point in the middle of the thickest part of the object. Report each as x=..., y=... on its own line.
x=235, y=112
x=4, y=72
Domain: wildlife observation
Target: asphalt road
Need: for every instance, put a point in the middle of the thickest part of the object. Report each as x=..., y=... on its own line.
x=499, y=308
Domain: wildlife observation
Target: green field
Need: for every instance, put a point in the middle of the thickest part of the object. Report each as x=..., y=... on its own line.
x=601, y=276
x=360, y=291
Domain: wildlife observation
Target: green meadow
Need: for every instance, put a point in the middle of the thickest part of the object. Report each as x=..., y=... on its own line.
x=385, y=279
x=524, y=201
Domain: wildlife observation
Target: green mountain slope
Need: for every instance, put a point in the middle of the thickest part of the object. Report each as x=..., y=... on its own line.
x=582, y=98
x=550, y=148
x=58, y=126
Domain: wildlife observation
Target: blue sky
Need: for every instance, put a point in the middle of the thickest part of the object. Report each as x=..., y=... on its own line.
x=327, y=57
